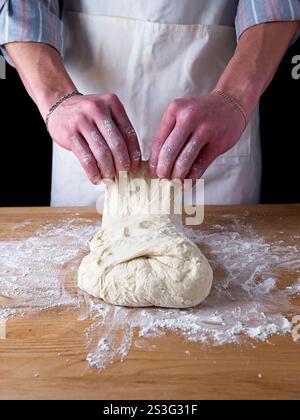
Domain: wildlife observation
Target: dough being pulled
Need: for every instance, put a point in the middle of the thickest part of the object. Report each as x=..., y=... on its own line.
x=143, y=259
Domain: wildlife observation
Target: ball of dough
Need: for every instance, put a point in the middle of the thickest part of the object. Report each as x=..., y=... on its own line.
x=149, y=262
x=143, y=259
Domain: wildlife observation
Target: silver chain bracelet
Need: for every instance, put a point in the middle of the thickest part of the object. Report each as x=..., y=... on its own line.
x=59, y=102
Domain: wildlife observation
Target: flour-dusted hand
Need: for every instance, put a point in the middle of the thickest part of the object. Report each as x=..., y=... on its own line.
x=98, y=131
x=192, y=134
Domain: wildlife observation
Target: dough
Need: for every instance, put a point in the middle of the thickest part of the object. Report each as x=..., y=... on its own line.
x=140, y=258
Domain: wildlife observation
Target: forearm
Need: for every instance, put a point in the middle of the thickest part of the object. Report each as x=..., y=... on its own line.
x=256, y=59
x=42, y=72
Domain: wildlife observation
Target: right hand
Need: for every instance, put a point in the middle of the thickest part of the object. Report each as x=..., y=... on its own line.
x=97, y=130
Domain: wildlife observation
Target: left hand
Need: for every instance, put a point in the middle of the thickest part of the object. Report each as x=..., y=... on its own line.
x=192, y=134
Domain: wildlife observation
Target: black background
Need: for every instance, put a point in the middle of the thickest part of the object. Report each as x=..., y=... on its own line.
x=25, y=154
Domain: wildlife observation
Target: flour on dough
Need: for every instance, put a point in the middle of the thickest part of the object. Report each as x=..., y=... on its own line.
x=143, y=259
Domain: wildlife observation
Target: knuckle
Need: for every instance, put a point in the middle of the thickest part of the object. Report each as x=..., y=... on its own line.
x=96, y=138
x=175, y=105
x=100, y=105
x=208, y=129
x=91, y=106
x=185, y=116
x=130, y=132
x=78, y=119
x=74, y=140
x=190, y=149
x=167, y=151
x=86, y=159
x=102, y=154
x=181, y=163
x=71, y=133
x=108, y=126
x=117, y=144
x=136, y=155
x=112, y=98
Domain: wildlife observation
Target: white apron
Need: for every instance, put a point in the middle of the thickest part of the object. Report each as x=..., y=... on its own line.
x=149, y=53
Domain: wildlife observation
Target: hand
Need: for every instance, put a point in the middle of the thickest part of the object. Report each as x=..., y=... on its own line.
x=97, y=130
x=192, y=134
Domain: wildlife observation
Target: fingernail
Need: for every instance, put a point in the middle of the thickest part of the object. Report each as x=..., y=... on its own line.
x=96, y=180
x=159, y=173
x=107, y=181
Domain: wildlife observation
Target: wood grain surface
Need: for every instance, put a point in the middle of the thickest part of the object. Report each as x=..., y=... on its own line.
x=43, y=356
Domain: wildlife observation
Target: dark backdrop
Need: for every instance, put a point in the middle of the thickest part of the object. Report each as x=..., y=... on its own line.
x=25, y=154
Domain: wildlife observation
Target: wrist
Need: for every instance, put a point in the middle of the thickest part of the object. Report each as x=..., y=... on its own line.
x=48, y=97
x=244, y=81
x=244, y=93
x=234, y=102
x=58, y=103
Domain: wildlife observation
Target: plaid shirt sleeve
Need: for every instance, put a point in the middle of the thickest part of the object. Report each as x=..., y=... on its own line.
x=32, y=21
x=254, y=12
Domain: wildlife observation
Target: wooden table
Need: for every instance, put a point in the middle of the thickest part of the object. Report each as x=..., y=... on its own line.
x=231, y=372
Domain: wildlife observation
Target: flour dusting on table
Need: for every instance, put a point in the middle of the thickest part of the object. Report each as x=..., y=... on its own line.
x=246, y=301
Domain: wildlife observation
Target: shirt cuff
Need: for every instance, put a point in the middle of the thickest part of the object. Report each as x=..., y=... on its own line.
x=38, y=24
x=255, y=12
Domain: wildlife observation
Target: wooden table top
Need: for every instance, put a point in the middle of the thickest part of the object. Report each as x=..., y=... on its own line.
x=43, y=355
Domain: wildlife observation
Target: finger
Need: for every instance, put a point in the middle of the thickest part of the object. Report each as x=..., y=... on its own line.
x=170, y=150
x=100, y=150
x=204, y=159
x=166, y=126
x=82, y=151
x=115, y=142
x=186, y=158
x=125, y=127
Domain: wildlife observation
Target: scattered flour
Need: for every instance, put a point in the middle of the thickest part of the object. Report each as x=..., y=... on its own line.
x=246, y=302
